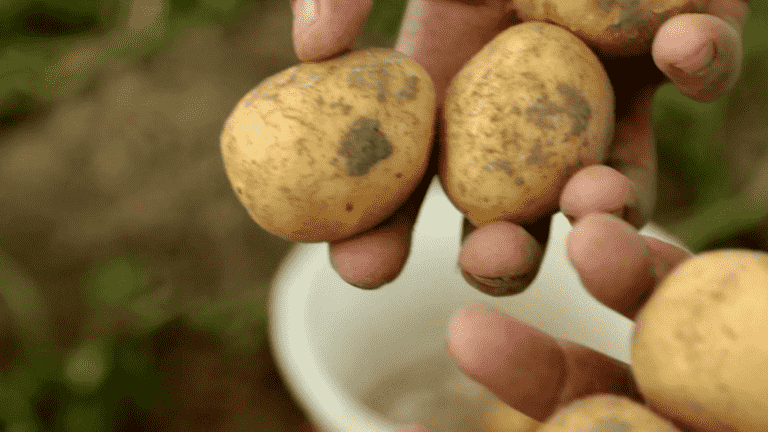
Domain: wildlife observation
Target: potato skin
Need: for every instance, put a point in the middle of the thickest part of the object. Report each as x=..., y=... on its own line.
x=326, y=150
x=612, y=27
x=700, y=348
x=527, y=111
x=606, y=413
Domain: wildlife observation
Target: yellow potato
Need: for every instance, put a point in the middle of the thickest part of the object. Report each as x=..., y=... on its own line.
x=527, y=111
x=606, y=413
x=700, y=348
x=502, y=418
x=613, y=27
x=323, y=151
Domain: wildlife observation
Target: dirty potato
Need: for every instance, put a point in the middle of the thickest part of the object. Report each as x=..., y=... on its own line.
x=700, y=348
x=527, y=111
x=608, y=413
x=612, y=27
x=323, y=151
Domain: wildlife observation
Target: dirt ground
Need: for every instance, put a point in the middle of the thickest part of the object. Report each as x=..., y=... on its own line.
x=131, y=167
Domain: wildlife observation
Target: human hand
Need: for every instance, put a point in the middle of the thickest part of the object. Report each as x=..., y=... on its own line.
x=535, y=373
x=503, y=258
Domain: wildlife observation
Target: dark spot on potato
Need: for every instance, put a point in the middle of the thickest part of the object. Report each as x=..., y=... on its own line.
x=611, y=424
x=577, y=107
x=363, y=146
x=345, y=108
x=399, y=175
x=501, y=164
x=717, y=296
x=519, y=181
x=350, y=207
x=605, y=5
x=383, y=84
x=539, y=157
x=411, y=88
x=729, y=333
x=462, y=188
x=357, y=78
x=239, y=191
x=539, y=113
x=319, y=100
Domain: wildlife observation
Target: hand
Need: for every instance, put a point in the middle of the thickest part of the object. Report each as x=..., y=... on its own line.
x=503, y=258
x=536, y=373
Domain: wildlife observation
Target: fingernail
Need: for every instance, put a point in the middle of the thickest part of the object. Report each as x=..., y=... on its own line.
x=699, y=63
x=305, y=12
x=501, y=285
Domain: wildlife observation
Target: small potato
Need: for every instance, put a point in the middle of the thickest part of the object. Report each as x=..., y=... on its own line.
x=326, y=150
x=612, y=27
x=526, y=112
x=700, y=348
x=606, y=413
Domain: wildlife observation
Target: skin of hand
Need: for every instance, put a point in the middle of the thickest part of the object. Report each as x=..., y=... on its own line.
x=700, y=53
x=536, y=373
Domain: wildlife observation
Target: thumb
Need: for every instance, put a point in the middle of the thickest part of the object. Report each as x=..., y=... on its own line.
x=324, y=28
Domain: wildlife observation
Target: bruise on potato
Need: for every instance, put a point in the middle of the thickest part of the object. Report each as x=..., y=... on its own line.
x=575, y=106
x=364, y=145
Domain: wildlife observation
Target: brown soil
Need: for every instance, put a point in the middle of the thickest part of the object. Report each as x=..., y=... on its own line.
x=131, y=166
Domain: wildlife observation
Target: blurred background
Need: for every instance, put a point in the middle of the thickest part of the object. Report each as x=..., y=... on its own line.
x=133, y=283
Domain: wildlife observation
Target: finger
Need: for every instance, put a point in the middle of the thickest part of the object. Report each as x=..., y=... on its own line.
x=377, y=256
x=324, y=28
x=702, y=54
x=626, y=185
x=528, y=369
x=619, y=267
x=443, y=35
x=502, y=258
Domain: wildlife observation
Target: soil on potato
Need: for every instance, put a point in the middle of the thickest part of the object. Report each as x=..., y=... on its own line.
x=131, y=167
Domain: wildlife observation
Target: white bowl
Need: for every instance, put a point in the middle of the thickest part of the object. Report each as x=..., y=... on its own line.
x=338, y=346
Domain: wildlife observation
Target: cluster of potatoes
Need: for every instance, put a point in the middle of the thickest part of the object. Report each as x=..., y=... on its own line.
x=323, y=151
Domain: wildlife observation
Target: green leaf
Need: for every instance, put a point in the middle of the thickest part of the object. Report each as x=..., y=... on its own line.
x=385, y=18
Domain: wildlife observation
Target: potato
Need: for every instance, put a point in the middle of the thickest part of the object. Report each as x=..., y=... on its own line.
x=502, y=418
x=700, y=348
x=612, y=27
x=323, y=151
x=527, y=111
x=606, y=413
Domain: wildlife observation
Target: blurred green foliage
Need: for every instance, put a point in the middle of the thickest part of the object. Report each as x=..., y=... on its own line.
x=50, y=49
